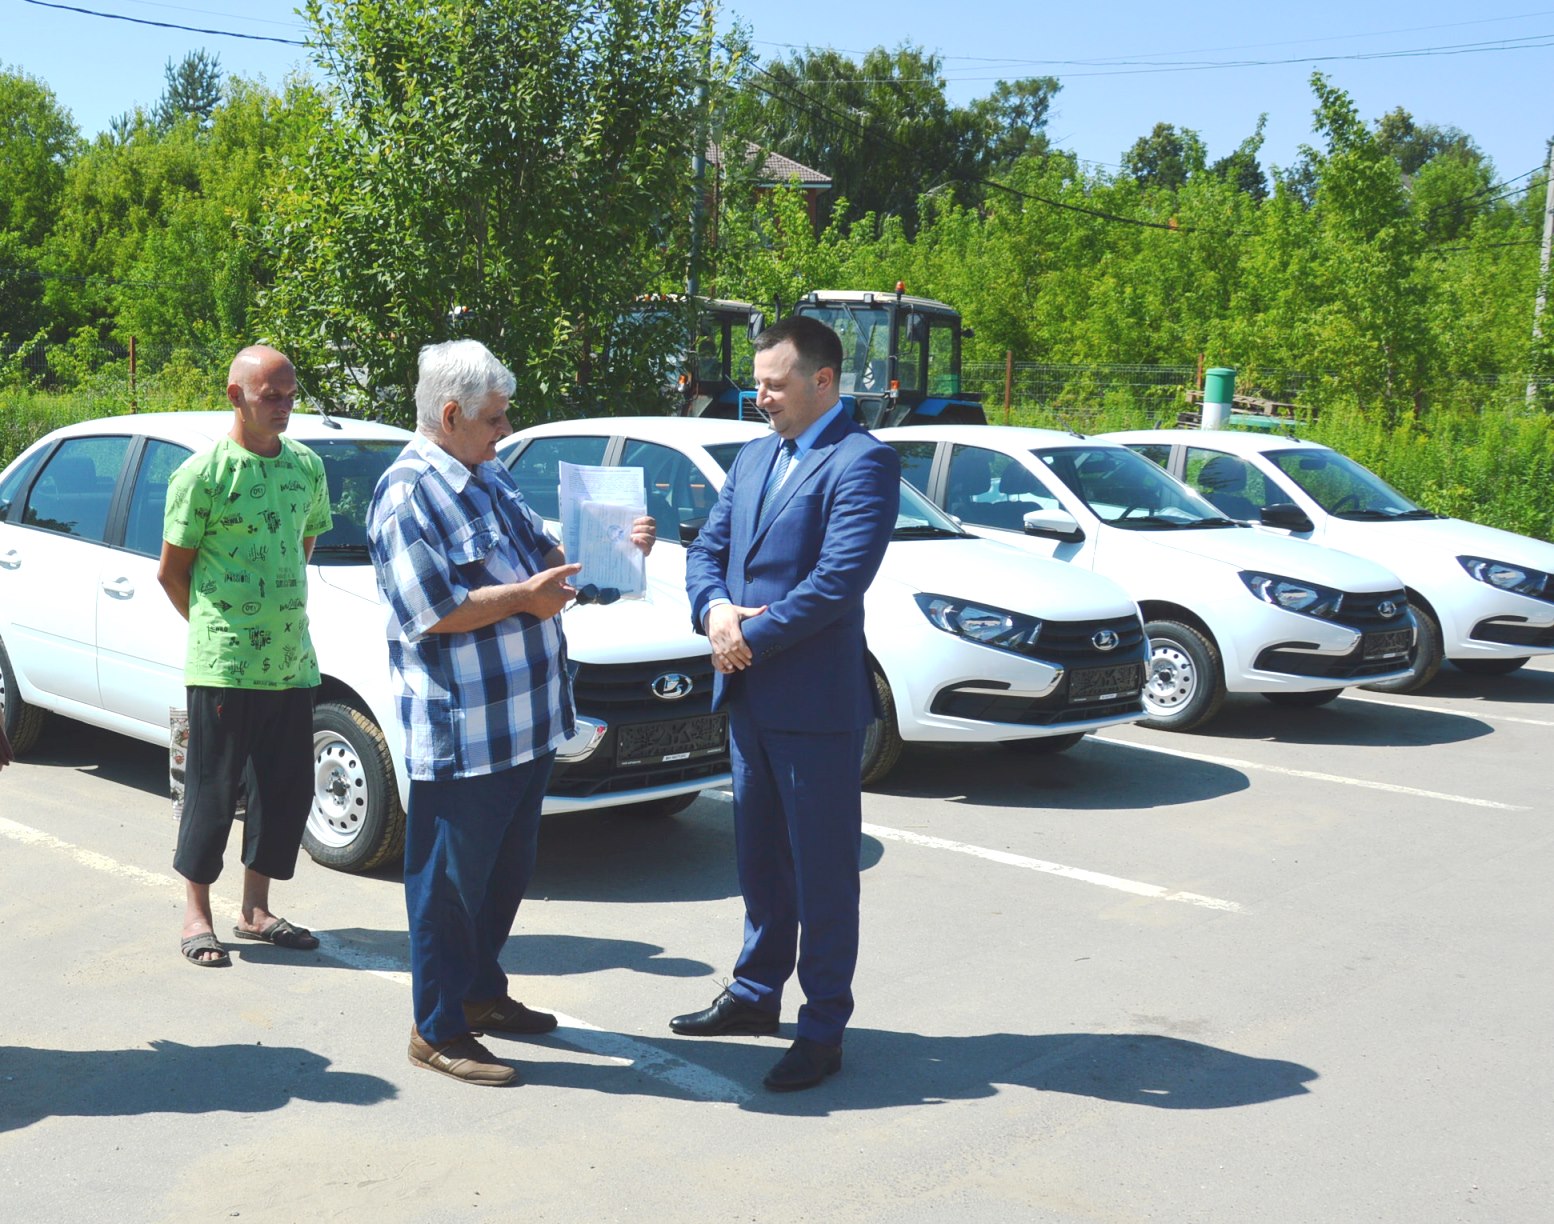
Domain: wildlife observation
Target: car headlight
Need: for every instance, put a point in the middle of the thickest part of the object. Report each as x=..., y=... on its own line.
x=1507, y=577
x=978, y=623
x=1307, y=598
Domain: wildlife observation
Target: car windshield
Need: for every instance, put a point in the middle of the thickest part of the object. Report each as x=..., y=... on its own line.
x=1344, y=488
x=352, y=467
x=1127, y=490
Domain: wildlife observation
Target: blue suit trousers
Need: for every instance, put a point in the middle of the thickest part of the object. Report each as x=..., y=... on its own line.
x=798, y=829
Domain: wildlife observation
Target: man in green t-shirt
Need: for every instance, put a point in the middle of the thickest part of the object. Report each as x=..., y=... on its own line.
x=240, y=523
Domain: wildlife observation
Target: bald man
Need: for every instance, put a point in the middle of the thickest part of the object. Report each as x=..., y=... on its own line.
x=239, y=528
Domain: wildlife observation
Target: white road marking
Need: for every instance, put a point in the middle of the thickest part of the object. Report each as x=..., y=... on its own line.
x=1469, y=709
x=1155, y=891
x=690, y=1079
x=1313, y=775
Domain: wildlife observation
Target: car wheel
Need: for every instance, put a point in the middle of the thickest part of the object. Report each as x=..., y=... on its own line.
x=882, y=739
x=1046, y=745
x=659, y=809
x=1184, y=689
x=1424, y=663
x=1487, y=667
x=1304, y=701
x=23, y=723
x=356, y=822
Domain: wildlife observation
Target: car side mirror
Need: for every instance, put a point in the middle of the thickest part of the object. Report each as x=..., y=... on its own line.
x=1058, y=524
x=1287, y=516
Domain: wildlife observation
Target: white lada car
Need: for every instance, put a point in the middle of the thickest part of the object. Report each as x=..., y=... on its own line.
x=1224, y=612
x=1483, y=598
x=87, y=632
x=970, y=642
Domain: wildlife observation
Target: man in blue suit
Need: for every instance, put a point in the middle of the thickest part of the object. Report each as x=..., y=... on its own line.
x=776, y=580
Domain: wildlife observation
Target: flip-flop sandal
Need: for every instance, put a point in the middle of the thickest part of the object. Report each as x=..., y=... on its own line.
x=205, y=941
x=283, y=935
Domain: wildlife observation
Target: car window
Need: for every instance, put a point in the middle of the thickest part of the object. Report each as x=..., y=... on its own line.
x=1127, y=490
x=1155, y=452
x=988, y=488
x=352, y=468
x=148, y=499
x=723, y=453
x=916, y=462
x=678, y=494
x=15, y=481
x=1232, y=485
x=536, y=468
x=75, y=487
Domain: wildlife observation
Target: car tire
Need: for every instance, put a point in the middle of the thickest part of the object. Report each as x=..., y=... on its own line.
x=882, y=739
x=1426, y=661
x=1305, y=701
x=1185, y=687
x=1483, y=667
x=356, y=822
x=659, y=809
x=1046, y=745
x=23, y=722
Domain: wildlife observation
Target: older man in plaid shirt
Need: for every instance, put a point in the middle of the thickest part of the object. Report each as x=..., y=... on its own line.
x=474, y=586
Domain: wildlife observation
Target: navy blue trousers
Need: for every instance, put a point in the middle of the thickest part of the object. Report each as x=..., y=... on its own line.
x=798, y=831
x=470, y=845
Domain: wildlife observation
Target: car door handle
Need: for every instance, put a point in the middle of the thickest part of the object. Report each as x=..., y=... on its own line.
x=119, y=588
x=10, y=559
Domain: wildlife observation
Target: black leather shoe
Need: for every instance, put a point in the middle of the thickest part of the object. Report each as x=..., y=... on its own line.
x=727, y=1017
x=804, y=1065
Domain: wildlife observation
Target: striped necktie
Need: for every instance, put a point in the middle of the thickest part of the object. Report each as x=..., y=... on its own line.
x=780, y=469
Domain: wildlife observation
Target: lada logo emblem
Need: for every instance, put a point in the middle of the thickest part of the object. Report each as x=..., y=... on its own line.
x=1105, y=639
x=1387, y=608
x=672, y=686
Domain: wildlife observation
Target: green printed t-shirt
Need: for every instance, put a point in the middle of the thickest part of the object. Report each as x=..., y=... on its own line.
x=247, y=516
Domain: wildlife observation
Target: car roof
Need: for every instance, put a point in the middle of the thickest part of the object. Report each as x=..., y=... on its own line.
x=671, y=431
x=200, y=429
x=998, y=437
x=876, y=297
x=1231, y=441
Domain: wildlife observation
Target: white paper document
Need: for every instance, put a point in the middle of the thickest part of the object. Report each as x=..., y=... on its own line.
x=598, y=505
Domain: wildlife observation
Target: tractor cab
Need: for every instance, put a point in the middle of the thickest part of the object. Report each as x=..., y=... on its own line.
x=901, y=357
x=711, y=354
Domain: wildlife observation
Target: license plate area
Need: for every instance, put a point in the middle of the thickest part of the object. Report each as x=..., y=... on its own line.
x=1389, y=644
x=1105, y=683
x=679, y=739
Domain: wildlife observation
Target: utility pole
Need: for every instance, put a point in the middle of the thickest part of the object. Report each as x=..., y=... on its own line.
x=699, y=155
x=1543, y=274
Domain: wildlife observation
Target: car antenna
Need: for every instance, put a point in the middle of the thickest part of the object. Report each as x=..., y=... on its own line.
x=1063, y=421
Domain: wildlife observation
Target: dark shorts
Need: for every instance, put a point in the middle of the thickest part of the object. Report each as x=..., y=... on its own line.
x=261, y=740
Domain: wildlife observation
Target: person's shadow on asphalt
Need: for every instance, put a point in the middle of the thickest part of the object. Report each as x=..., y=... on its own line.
x=885, y=1069
x=171, y=1078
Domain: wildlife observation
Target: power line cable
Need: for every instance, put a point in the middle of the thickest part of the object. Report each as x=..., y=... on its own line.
x=166, y=25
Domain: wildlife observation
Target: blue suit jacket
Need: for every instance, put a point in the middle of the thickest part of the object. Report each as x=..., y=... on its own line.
x=810, y=560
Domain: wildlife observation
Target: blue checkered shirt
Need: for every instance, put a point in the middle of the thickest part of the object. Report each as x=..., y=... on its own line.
x=478, y=702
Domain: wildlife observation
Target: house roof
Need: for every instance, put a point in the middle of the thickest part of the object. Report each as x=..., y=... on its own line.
x=776, y=170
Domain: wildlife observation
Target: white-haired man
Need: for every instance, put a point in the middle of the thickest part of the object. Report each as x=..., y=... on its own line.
x=475, y=586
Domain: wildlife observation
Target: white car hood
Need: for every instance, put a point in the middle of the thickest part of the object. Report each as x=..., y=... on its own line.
x=654, y=628
x=1453, y=537
x=1004, y=576
x=1246, y=549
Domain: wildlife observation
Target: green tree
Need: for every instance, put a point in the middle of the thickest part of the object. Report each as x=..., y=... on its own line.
x=193, y=89
x=37, y=140
x=882, y=128
x=1166, y=158
x=526, y=160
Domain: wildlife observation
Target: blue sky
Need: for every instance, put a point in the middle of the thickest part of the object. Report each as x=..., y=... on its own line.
x=1124, y=65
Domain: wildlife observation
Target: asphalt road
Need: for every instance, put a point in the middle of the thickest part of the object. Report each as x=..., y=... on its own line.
x=1295, y=969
